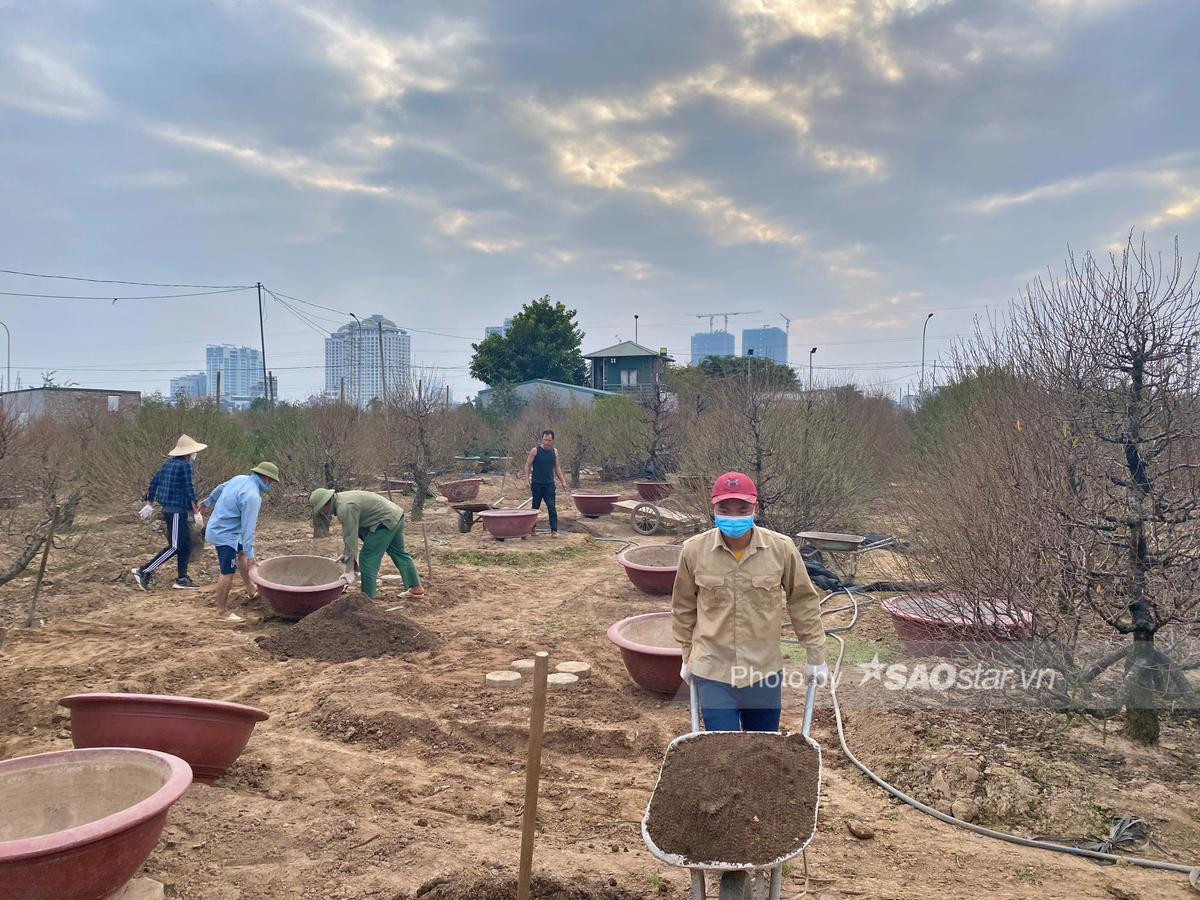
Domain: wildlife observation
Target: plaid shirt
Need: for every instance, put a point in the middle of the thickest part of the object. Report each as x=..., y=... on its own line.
x=171, y=487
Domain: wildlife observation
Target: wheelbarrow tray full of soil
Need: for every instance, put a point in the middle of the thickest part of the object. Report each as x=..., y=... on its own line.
x=734, y=801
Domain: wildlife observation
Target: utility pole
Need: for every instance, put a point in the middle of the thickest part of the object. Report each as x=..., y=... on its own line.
x=382, y=368
x=810, y=367
x=342, y=389
x=923, y=327
x=218, y=390
x=270, y=390
x=8, y=360
x=262, y=335
x=357, y=361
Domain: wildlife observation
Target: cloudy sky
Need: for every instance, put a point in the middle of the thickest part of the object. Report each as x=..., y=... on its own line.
x=851, y=165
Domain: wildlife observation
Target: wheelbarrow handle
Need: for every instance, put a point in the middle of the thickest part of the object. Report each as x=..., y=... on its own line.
x=694, y=702
x=809, y=698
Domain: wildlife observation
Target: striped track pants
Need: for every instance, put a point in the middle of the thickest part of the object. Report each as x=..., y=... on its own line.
x=179, y=534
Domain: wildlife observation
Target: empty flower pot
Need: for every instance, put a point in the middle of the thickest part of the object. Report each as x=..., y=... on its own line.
x=648, y=649
x=208, y=734
x=461, y=490
x=653, y=490
x=78, y=824
x=947, y=624
x=298, y=585
x=508, y=523
x=595, y=505
x=652, y=567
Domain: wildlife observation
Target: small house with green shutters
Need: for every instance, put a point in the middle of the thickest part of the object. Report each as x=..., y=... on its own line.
x=628, y=368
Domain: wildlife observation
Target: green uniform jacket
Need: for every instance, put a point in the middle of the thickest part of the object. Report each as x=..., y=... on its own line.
x=360, y=512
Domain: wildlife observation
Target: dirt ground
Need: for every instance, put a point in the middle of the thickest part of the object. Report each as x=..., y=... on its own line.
x=375, y=776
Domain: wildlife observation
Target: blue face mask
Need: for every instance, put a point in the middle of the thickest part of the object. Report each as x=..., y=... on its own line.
x=734, y=526
x=263, y=484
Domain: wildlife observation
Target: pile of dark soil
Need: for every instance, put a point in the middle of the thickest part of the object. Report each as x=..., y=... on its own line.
x=351, y=627
x=735, y=797
x=446, y=887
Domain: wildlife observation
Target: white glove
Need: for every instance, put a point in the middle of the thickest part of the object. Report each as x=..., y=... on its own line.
x=348, y=577
x=199, y=520
x=819, y=673
x=146, y=511
x=685, y=673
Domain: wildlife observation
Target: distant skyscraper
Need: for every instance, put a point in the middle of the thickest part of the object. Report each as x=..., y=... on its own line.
x=241, y=371
x=768, y=342
x=711, y=343
x=352, y=359
x=191, y=386
x=497, y=329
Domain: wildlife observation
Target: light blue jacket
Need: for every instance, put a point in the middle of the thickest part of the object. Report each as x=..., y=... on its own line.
x=235, y=516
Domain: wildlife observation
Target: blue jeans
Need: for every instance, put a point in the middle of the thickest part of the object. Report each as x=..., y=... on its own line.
x=755, y=707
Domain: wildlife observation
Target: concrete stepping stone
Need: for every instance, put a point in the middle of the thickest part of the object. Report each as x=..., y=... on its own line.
x=560, y=680
x=574, y=667
x=502, y=679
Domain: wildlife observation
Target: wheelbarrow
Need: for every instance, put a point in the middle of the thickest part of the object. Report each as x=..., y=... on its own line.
x=853, y=545
x=739, y=881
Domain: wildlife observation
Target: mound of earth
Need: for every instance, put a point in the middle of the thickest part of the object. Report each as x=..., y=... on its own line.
x=446, y=887
x=735, y=797
x=351, y=627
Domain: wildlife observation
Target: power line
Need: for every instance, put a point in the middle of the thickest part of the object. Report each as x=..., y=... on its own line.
x=115, y=299
x=139, y=283
x=457, y=337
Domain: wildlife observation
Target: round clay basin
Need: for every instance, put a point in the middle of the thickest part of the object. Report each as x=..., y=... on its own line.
x=78, y=824
x=946, y=624
x=595, y=505
x=507, y=523
x=208, y=734
x=463, y=489
x=652, y=568
x=298, y=585
x=653, y=490
x=648, y=649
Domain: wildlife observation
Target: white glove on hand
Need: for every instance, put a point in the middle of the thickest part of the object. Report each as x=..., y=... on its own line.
x=684, y=673
x=146, y=512
x=348, y=577
x=199, y=520
x=819, y=673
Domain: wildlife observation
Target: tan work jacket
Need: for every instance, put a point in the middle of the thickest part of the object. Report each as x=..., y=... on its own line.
x=728, y=613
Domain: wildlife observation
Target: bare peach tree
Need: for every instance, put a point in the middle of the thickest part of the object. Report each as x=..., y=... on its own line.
x=420, y=430
x=1071, y=489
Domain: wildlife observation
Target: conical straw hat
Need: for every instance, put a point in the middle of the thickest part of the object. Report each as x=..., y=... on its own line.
x=185, y=446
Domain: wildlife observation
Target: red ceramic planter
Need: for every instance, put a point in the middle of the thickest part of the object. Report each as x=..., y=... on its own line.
x=652, y=567
x=653, y=490
x=651, y=656
x=208, y=734
x=298, y=585
x=78, y=824
x=594, y=505
x=462, y=490
x=509, y=523
x=947, y=624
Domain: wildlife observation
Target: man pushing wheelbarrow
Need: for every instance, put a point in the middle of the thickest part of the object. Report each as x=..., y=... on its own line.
x=740, y=797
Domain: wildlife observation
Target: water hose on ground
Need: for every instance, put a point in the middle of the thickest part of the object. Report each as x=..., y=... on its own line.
x=1193, y=872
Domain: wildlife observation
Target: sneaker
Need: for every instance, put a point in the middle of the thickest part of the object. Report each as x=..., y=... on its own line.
x=183, y=583
x=142, y=579
x=233, y=618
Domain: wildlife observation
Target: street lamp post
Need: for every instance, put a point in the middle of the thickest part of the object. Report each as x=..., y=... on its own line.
x=8, y=360
x=357, y=362
x=923, y=327
x=635, y=328
x=810, y=366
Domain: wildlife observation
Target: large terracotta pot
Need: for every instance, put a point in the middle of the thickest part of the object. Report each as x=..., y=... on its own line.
x=652, y=567
x=462, y=490
x=947, y=624
x=509, y=523
x=653, y=490
x=78, y=824
x=298, y=585
x=651, y=656
x=208, y=734
x=594, y=505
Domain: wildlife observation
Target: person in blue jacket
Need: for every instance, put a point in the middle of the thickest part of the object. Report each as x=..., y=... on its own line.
x=174, y=492
x=231, y=525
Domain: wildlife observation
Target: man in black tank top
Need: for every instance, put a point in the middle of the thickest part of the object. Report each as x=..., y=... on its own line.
x=541, y=468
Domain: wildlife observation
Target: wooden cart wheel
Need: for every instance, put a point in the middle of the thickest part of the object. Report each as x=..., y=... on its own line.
x=645, y=518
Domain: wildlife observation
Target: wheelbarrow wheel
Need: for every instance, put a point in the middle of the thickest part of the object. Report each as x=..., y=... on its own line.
x=735, y=886
x=645, y=518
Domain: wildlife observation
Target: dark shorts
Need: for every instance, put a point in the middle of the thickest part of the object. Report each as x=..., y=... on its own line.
x=227, y=557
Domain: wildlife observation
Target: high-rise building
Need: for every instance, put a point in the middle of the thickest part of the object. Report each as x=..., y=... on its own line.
x=711, y=343
x=352, y=366
x=241, y=371
x=768, y=342
x=191, y=386
x=497, y=329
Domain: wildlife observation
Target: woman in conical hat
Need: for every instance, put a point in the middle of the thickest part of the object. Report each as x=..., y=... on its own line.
x=172, y=489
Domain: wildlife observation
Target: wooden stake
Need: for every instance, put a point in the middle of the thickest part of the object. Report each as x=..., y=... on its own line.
x=428, y=558
x=533, y=771
x=37, y=585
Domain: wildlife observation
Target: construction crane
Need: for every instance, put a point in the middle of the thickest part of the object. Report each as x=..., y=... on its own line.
x=725, y=316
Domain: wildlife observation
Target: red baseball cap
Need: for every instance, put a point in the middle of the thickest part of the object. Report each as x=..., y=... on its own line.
x=734, y=486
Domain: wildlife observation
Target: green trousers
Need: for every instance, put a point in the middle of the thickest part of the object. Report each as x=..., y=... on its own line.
x=370, y=555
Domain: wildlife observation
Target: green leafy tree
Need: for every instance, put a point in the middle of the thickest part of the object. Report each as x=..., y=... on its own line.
x=765, y=371
x=542, y=342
